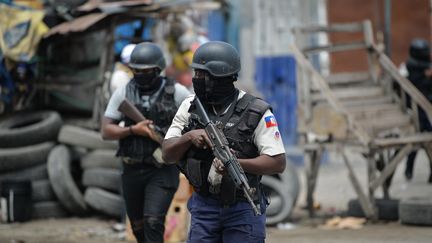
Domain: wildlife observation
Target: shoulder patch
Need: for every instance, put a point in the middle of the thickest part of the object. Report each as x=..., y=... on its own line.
x=270, y=121
x=277, y=135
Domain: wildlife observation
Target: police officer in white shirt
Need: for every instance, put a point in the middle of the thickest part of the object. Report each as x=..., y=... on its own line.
x=219, y=211
x=148, y=186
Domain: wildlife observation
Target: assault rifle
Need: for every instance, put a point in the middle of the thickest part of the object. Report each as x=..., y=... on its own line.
x=222, y=151
x=129, y=110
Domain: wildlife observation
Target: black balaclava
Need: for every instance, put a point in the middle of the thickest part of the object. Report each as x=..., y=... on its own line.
x=148, y=81
x=214, y=90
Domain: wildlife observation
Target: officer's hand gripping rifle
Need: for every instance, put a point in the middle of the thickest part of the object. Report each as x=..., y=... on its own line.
x=222, y=151
x=129, y=110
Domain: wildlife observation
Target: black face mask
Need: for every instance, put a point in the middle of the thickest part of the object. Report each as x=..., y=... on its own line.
x=214, y=91
x=147, y=81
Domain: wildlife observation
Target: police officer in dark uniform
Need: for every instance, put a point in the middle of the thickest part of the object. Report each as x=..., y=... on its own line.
x=219, y=211
x=419, y=73
x=148, y=185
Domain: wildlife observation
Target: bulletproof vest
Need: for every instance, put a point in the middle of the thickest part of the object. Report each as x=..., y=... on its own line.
x=159, y=107
x=239, y=125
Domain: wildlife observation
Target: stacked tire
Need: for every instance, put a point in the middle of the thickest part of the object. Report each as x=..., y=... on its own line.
x=101, y=173
x=72, y=170
x=26, y=139
x=416, y=211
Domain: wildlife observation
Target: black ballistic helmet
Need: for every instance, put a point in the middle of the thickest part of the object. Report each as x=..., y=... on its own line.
x=147, y=55
x=419, y=50
x=218, y=58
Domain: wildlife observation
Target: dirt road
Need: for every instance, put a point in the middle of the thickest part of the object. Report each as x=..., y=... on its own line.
x=96, y=231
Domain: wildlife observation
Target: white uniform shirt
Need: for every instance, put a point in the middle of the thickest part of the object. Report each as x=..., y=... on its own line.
x=266, y=136
x=180, y=93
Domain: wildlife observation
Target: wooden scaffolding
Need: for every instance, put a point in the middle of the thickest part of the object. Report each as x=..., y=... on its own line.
x=375, y=111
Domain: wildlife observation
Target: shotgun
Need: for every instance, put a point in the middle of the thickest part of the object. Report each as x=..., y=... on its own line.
x=129, y=110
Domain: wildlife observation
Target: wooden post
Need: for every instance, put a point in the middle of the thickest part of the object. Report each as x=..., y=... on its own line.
x=368, y=35
x=371, y=170
x=366, y=205
x=105, y=64
x=391, y=167
x=403, y=96
x=312, y=163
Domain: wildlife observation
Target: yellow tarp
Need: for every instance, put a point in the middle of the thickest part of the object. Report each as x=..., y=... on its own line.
x=20, y=32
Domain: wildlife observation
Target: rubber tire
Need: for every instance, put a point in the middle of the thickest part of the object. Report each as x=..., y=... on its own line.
x=287, y=201
x=38, y=172
x=42, y=191
x=64, y=186
x=86, y=138
x=109, y=179
x=290, y=181
x=416, y=211
x=13, y=159
x=105, y=202
x=275, y=205
x=101, y=158
x=288, y=184
x=48, y=209
x=24, y=129
x=387, y=209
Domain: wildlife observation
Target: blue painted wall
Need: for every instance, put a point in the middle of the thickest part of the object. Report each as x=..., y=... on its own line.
x=276, y=80
x=216, y=26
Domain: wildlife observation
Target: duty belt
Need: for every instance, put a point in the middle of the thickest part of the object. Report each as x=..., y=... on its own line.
x=156, y=160
x=131, y=161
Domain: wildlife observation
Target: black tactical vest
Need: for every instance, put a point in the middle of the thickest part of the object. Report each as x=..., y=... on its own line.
x=159, y=107
x=239, y=126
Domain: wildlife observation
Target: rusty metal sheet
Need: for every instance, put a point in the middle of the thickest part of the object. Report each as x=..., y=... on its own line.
x=76, y=25
x=109, y=6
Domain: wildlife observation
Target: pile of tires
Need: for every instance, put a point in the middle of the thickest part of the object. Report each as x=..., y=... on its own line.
x=73, y=172
x=100, y=173
x=387, y=209
x=26, y=140
x=409, y=211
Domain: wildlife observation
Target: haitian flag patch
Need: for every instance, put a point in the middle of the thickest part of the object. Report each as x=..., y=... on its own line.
x=270, y=121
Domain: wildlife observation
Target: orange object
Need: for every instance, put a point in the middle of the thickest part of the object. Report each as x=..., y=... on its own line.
x=129, y=234
x=177, y=222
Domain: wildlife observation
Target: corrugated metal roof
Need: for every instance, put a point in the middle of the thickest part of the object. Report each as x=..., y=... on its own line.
x=112, y=5
x=122, y=8
x=77, y=25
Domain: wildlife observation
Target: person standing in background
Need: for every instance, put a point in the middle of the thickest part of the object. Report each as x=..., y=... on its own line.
x=122, y=73
x=419, y=70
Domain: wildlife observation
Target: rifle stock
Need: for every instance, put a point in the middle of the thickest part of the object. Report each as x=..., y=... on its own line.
x=129, y=110
x=221, y=150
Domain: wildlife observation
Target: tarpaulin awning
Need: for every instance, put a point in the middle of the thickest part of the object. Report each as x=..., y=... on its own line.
x=20, y=32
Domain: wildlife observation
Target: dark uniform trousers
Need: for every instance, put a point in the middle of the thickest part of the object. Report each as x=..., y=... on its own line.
x=212, y=222
x=148, y=192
